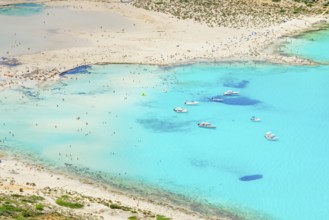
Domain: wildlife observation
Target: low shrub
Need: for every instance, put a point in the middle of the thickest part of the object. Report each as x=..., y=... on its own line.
x=66, y=202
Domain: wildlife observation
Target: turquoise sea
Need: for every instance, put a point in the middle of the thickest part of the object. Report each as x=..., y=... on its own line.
x=23, y=9
x=312, y=45
x=117, y=121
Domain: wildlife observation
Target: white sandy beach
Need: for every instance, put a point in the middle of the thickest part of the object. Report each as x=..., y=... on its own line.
x=17, y=174
x=140, y=36
x=120, y=33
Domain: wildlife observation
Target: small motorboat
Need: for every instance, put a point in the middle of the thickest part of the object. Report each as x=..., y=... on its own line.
x=180, y=110
x=191, y=103
x=216, y=99
x=206, y=125
x=271, y=136
x=231, y=92
x=255, y=119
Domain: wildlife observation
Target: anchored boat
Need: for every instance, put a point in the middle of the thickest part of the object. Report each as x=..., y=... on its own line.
x=180, y=110
x=206, y=125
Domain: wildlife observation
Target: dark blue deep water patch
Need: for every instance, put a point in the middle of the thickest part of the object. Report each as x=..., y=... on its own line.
x=21, y=9
x=236, y=84
x=240, y=100
x=84, y=69
x=164, y=125
x=251, y=177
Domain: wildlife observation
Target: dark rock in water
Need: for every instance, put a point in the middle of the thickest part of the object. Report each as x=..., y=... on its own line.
x=233, y=84
x=11, y=62
x=240, y=100
x=30, y=93
x=251, y=177
x=84, y=69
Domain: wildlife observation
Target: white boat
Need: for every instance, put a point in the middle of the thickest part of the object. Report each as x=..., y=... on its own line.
x=231, y=92
x=206, y=125
x=191, y=103
x=180, y=110
x=255, y=119
x=271, y=136
x=216, y=99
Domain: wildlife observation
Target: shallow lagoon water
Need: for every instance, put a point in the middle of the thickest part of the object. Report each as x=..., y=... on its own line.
x=101, y=120
x=97, y=118
x=35, y=28
x=22, y=9
x=312, y=45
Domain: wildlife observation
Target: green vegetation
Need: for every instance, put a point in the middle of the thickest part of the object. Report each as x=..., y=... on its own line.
x=35, y=207
x=39, y=207
x=66, y=201
x=235, y=13
x=21, y=207
x=116, y=206
x=282, y=10
x=33, y=199
x=306, y=1
x=161, y=217
x=298, y=10
x=6, y=208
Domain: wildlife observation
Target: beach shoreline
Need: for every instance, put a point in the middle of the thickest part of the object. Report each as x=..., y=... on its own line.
x=168, y=43
x=152, y=41
x=20, y=175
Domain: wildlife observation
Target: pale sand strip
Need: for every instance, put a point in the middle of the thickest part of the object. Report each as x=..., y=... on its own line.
x=15, y=174
x=156, y=39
